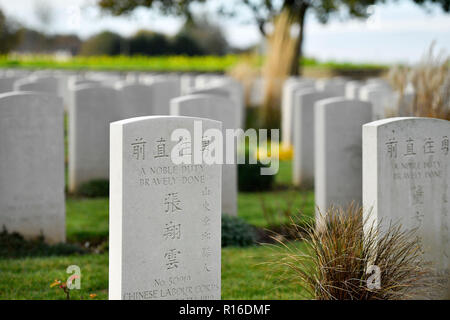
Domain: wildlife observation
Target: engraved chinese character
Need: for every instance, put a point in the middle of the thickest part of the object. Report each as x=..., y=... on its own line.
x=392, y=148
x=420, y=245
x=206, y=221
x=171, y=257
x=172, y=202
x=409, y=147
x=206, y=252
x=417, y=195
x=206, y=235
x=428, y=146
x=445, y=239
x=206, y=191
x=207, y=268
x=444, y=194
x=139, y=149
x=419, y=218
x=172, y=231
x=161, y=149
x=444, y=145
x=185, y=147
x=206, y=141
x=206, y=205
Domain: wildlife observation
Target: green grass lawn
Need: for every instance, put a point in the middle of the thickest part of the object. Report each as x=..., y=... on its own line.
x=162, y=63
x=243, y=275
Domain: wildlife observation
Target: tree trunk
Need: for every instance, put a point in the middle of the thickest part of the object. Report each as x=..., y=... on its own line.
x=296, y=68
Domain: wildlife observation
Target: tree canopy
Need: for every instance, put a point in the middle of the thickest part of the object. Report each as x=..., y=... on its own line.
x=9, y=34
x=263, y=10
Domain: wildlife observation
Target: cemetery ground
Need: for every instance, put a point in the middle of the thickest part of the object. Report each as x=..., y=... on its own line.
x=219, y=64
x=244, y=272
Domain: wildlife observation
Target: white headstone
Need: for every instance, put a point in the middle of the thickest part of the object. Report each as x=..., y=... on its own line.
x=187, y=83
x=338, y=151
x=90, y=113
x=236, y=94
x=229, y=92
x=257, y=92
x=352, y=89
x=7, y=84
x=46, y=84
x=136, y=99
x=381, y=98
x=219, y=109
x=163, y=92
x=202, y=80
x=32, y=165
x=290, y=88
x=406, y=180
x=303, y=114
x=333, y=85
x=165, y=219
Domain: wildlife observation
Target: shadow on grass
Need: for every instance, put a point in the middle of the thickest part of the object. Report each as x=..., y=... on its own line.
x=14, y=245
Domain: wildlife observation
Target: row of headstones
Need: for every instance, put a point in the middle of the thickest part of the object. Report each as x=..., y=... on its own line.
x=220, y=100
x=397, y=167
x=59, y=82
x=405, y=179
x=307, y=117
x=376, y=91
x=32, y=137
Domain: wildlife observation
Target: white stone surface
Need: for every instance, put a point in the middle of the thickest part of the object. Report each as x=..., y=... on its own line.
x=338, y=151
x=381, y=97
x=46, y=84
x=165, y=219
x=352, y=89
x=334, y=85
x=136, y=99
x=219, y=109
x=236, y=93
x=290, y=88
x=228, y=90
x=32, y=165
x=187, y=83
x=406, y=180
x=303, y=114
x=163, y=93
x=7, y=83
x=257, y=92
x=90, y=113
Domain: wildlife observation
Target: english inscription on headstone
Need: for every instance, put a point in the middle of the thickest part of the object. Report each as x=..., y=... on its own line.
x=165, y=218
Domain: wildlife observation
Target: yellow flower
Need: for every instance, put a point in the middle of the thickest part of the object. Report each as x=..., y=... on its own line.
x=92, y=295
x=55, y=283
x=285, y=152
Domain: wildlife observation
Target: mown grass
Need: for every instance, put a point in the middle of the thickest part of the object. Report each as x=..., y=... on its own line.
x=87, y=219
x=30, y=278
x=243, y=274
x=246, y=275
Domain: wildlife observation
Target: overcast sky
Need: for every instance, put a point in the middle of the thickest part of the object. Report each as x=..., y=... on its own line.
x=397, y=32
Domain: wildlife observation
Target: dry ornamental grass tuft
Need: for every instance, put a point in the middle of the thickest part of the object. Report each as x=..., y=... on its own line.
x=430, y=80
x=277, y=67
x=342, y=262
